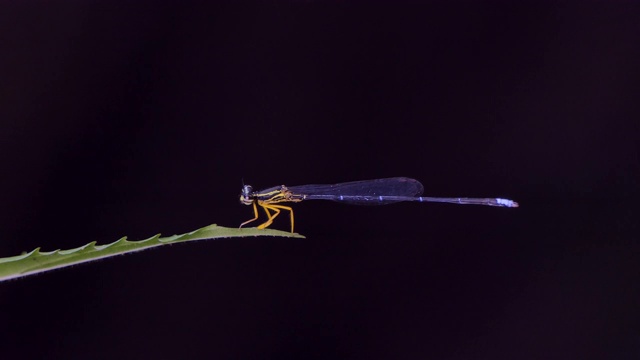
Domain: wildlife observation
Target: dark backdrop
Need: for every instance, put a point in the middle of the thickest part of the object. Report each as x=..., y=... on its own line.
x=135, y=120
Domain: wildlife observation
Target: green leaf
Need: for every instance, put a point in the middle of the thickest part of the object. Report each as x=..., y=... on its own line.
x=38, y=261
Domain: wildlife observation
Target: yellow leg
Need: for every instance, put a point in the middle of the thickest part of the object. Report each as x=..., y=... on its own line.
x=276, y=209
x=270, y=217
x=255, y=212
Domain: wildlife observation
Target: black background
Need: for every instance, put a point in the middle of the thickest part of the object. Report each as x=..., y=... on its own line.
x=135, y=120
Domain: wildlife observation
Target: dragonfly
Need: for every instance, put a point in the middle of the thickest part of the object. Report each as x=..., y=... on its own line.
x=366, y=192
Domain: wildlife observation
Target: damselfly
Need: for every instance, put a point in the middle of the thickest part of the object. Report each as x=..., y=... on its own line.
x=367, y=192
